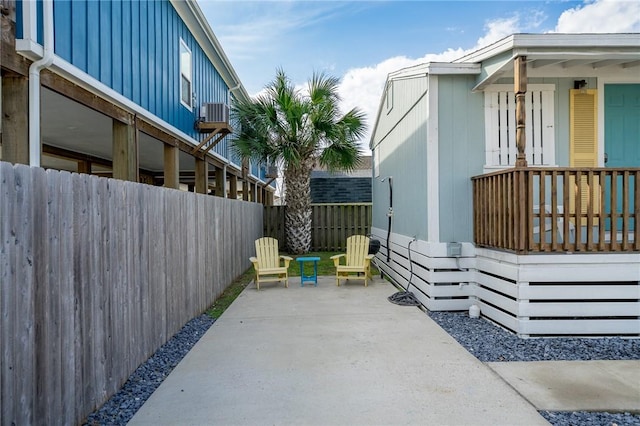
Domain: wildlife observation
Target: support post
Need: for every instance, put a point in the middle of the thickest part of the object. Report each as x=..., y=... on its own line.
x=270, y=198
x=260, y=191
x=221, y=182
x=233, y=187
x=171, y=167
x=84, y=166
x=125, y=151
x=245, y=190
x=520, y=89
x=15, y=119
x=202, y=176
x=245, y=180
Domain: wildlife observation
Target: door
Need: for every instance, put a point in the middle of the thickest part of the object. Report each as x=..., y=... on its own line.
x=622, y=125
x=622, y=137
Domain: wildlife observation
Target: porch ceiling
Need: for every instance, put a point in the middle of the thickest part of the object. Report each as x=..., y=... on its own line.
x=562, y=62
x=68, y=125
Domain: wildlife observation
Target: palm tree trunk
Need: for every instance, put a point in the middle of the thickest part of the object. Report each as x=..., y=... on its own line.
x=298, y=211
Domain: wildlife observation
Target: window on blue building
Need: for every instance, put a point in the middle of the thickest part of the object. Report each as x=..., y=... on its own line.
x=185, y=75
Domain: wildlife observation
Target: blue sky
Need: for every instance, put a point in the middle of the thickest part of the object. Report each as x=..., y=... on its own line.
x=362, y=41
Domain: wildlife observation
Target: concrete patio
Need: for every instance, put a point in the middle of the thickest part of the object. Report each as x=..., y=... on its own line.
x=332, y=355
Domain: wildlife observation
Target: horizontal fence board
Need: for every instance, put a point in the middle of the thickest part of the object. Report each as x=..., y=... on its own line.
x=102, y=272
x=500, y=317
x=444, y=291
x=448, y=276
x=497, y=299
x=582, y=326
x=494, y=283
x=594, y=272
x=498, y=267
x=448, y=304
x=579, y=292
x=581, y=309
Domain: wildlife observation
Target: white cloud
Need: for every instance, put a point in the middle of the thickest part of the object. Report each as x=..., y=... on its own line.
x=363, y=87
x=499, y=29
x=250, y=27
x=601, y=16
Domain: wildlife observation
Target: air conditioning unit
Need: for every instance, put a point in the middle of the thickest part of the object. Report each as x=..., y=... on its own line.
x=214, y=113
x=271, y=172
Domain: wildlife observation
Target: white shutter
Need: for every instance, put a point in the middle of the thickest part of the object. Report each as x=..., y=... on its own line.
x=548, y=128
x=500, y=125
x=492, y=149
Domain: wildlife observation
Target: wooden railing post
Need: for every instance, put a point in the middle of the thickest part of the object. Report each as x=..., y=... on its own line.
x=520, y=89
x=521, y=211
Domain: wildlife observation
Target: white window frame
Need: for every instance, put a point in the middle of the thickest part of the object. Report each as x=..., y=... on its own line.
x=500, y=140
x=184, y=49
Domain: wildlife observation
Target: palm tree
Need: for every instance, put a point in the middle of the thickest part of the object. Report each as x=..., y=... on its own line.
x=295, y=131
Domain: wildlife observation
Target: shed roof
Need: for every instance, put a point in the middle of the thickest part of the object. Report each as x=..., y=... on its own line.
x=362, y=169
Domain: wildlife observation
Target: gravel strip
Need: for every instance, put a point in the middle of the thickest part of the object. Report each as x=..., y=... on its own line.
x=491, y=343
x=121, y=407
x=586, y=418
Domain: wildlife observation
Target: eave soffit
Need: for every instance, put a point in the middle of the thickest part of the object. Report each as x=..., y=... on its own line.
x=559, y=58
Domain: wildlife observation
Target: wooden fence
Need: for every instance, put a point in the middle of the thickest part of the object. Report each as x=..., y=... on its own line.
x=331, y=224
x=96, y=274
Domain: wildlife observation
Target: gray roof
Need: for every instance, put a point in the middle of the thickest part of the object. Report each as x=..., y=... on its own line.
x=362, y=170
x=340, y=175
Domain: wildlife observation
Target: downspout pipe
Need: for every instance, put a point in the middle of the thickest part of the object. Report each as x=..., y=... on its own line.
x=34, y=84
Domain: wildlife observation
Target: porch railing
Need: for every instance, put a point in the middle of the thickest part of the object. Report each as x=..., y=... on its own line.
x=558, y=210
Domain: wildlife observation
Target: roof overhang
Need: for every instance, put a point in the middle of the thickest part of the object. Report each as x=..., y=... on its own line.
x=562, y=51
x=434, y=68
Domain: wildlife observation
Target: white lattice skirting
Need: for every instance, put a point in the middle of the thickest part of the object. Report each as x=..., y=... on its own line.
x=532, y=295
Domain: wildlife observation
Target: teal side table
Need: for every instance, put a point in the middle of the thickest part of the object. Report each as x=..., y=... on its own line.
x=308, y=278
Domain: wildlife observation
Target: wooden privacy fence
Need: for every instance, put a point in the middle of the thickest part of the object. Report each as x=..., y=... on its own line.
x=558, y=210
x=331, y=224
x=96, y=274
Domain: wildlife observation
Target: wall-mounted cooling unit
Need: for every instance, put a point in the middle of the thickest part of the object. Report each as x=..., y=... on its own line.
x=214, y=113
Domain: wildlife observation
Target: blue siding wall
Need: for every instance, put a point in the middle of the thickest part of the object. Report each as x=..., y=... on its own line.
x=133, y=47
x=19, y=16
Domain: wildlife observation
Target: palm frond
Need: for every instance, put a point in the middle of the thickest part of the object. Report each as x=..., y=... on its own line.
x=283, y=124
x=340, y=157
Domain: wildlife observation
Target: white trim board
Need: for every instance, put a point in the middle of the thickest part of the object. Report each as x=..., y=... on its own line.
x=433, y=181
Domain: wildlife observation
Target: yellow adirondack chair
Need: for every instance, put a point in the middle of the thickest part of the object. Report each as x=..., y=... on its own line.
x=357, y=260
x=267, y=262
